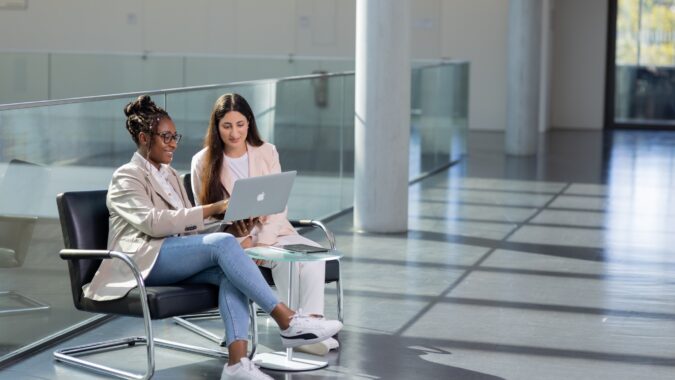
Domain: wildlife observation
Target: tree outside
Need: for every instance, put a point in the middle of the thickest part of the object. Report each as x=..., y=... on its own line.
x=645, y=32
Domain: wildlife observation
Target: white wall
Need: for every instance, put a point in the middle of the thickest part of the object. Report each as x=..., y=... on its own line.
x=75, y=25
x=462, y=29
x=579, y=57
x=272, y=27
x=476, y=30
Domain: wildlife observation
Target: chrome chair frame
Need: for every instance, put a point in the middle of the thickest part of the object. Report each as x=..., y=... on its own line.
x=70, y=355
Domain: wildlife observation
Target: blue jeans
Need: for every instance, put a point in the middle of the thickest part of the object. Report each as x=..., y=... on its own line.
x=216, y=259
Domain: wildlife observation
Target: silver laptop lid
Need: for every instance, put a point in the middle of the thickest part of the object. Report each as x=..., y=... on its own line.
x=258, y=196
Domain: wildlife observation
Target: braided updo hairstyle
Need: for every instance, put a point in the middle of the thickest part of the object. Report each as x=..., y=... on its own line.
x=143, y=115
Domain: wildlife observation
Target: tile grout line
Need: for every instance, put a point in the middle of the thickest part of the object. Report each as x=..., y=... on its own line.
x=477, y=264
x=539, y=211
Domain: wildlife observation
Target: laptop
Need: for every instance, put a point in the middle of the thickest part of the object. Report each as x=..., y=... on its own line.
x=257, y=196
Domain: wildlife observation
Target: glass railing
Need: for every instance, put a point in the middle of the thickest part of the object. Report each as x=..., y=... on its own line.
x=439, y=117
x=35, y=76
x=75, y=144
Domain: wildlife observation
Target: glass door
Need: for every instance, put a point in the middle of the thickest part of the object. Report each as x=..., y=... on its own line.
x=641, y=64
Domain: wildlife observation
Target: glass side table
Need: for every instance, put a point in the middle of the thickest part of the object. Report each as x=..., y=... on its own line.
x=284, y=361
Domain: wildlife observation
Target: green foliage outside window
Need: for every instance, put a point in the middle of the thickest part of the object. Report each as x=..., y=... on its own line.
x=645, y=32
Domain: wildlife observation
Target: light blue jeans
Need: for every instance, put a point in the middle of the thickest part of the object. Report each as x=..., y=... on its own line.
x=216, y=259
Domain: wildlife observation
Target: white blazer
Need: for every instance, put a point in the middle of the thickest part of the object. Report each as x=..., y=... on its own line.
x=141, y=216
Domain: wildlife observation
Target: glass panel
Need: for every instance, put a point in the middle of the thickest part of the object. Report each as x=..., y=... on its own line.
x=459, y=116
x=438, y=116
x=210, y=70
x=347, y=184
x=76, y=75
x=45, y=151
x=307, y=133
x=645, y=60
x=43, y=76
x=24, y=77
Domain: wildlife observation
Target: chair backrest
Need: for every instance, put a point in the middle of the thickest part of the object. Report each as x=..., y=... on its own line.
x=187, y=183
x=84, y=224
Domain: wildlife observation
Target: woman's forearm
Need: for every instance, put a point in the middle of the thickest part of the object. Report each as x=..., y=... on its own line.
x=215, y=208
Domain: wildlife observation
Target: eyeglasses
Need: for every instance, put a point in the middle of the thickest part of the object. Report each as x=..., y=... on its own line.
x=167, y=137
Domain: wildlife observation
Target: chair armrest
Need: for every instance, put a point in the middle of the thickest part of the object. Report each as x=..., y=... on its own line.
x=76, y=254
x=316, y=224
x=92, y=254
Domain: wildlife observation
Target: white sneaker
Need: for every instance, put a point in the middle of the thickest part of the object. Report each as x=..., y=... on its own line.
x=306, y=329
x=332, y=343
x=244, y=370
x=320, y=348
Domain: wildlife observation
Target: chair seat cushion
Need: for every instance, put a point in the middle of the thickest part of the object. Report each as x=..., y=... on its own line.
x=267, y=275
x=164, y=301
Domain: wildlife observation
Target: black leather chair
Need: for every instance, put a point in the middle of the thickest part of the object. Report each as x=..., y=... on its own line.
x=84, y=223
x=332, y=271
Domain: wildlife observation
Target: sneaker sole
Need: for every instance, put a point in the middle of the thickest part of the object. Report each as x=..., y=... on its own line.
x=315, y=349
x=308, y=338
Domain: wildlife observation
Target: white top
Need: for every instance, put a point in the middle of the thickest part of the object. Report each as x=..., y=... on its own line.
x=162, y=177
x=238, y=166
x=239, y=169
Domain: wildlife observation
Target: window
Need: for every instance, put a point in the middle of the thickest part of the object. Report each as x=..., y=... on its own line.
x=641, y=63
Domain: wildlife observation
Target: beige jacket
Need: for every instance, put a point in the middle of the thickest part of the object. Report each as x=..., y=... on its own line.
x=140, y=218
x=262, y=160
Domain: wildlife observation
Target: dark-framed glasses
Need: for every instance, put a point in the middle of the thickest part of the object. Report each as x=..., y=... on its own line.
x=168, y=136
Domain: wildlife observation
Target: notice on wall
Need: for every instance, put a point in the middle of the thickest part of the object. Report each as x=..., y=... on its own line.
x=13, y=4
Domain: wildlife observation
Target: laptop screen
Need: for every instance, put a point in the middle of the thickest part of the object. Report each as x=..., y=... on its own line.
x=258, y=196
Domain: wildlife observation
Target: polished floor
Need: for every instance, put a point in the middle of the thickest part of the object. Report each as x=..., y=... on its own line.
x=558, y=266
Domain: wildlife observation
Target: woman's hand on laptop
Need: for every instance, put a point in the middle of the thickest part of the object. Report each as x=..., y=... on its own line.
x=215, y=208
x=247, y=242
x=241, y=228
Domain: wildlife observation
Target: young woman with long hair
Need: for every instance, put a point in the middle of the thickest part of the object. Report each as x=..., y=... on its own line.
x=233, y=150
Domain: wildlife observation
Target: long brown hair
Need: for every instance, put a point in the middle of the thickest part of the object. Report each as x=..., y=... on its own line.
x=212, y=190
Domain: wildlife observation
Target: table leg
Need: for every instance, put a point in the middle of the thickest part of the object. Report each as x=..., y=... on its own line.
x=277, y=360
x=291, y=269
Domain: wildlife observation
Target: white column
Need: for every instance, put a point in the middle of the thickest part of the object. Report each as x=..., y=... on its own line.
x=382, y=119
x=545, y=65
x=523, y=77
